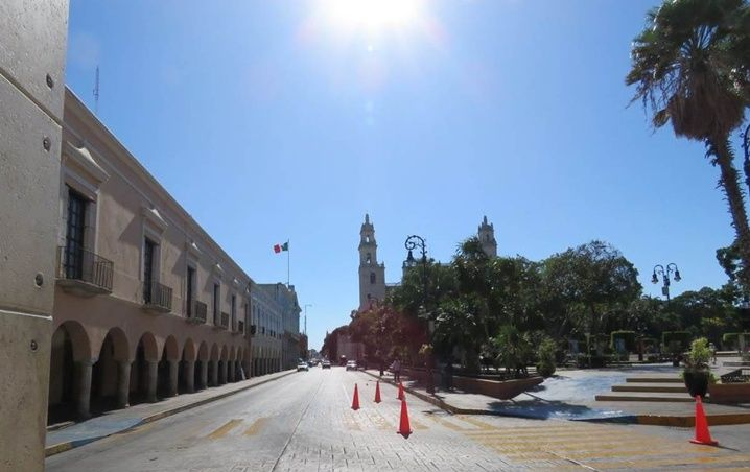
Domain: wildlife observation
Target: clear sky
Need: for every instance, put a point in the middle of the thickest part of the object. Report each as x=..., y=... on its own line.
x=290, y=119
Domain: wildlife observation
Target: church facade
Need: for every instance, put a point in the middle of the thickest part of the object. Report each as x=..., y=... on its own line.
x=372, y=286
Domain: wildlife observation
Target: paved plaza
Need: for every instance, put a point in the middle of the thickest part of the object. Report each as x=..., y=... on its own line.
x=303, y=422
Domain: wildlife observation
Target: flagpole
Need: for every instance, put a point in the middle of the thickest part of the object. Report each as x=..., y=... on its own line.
x=287, y=263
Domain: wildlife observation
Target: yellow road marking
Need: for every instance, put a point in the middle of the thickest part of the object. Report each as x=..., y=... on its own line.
x=223, y=430
x=476, y=422
x=255, y=427
x=677, y=461
x=446, y=423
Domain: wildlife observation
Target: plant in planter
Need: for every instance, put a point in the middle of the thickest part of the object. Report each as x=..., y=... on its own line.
x=546, y=365
x=696, y=374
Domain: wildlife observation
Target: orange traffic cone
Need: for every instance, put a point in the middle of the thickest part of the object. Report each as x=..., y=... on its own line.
x=355, y=400
x=377, y=391
x=702, y=436
x=403, y=428
x=400, y=391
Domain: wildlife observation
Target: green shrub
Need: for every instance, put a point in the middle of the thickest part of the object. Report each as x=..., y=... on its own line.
x=675, y=341
x=546, y=365
x=699, y=354
x=628, y=336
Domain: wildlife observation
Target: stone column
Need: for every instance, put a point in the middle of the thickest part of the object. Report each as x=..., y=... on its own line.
x=215, y=374
x=123, y=383
x=189, y=376
x=174, y=377
x=83, y=392
x=153, y=379
x=204, y=373
x=223, y=373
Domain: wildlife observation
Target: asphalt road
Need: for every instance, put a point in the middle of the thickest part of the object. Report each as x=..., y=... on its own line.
x=304, y=422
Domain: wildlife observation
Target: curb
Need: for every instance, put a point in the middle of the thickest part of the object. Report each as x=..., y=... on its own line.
x=66, y=446
x=649, y=420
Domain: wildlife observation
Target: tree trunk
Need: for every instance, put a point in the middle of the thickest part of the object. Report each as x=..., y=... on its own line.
x=730, y=183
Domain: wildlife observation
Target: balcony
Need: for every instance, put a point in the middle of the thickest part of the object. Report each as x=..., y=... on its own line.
x=157, y=298
x=240, y=327
x=222, y=321
x=197, y=312
x=82, y=272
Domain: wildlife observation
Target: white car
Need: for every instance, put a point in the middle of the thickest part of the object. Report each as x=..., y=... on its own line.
x=351, y=365
x=302, y=365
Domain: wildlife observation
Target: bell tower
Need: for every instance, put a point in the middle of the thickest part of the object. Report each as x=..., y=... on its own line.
x=371, y=273
x=486, y=236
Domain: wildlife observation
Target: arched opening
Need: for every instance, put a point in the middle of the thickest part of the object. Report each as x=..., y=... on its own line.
x=223, y=365
x=69, y=345
x=107, y=371
x=165, y=387
x=213, y=368
x=372, y=278
x=200, y=372
x=186, y=383
x=144, y=373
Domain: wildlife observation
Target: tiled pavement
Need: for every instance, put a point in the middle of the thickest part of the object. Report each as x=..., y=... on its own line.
x=304, y=423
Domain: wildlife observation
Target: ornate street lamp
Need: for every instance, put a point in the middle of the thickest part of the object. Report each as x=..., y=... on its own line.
x=417, y=242
x=665, y=275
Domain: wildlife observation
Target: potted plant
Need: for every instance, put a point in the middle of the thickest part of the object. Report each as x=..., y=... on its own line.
x=696, y=374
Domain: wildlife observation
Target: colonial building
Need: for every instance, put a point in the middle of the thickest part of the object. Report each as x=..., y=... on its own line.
x=266, y=341
x=147, y=305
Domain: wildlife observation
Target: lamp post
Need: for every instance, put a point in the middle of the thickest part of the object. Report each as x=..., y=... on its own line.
x=412, y=243
x=665, y=275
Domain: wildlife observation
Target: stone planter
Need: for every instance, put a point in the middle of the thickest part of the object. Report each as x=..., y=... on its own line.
x=502, y=389
x=729, y=392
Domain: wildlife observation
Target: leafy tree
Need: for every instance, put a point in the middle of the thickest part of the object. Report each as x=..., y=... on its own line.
x=689, y=66
x=589, y=284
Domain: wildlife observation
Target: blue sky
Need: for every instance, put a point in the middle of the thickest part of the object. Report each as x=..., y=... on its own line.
x=294, y=125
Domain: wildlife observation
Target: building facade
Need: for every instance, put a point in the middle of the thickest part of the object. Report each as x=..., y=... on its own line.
x=372, y=286
x=146, y=303
x=371, y=273
x=277, y=337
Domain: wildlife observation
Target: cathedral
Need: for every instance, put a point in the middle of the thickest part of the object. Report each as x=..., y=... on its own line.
x=372, y=286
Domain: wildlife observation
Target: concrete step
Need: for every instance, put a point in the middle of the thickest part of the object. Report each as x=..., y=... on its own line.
x=645, y=397
x=651, y=387
x=656, y=379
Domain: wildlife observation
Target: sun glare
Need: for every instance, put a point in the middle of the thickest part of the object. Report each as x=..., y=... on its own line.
x=372, y=14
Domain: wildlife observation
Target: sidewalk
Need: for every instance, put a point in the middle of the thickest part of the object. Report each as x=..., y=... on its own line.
x=532, y=405
x=116, y=421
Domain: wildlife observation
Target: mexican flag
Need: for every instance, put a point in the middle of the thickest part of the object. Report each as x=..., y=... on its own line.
x=277, y=248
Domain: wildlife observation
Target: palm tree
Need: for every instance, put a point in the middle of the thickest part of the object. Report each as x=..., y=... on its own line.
x=687, y=71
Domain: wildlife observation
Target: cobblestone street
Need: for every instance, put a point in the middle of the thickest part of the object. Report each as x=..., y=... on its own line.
x=304, y=422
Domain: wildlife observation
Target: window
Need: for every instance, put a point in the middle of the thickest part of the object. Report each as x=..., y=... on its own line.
x=372, y=278
x=74, y=242
x=369, y=258
x=189, y=298
x=369, y=296
x=149, y=250
x=234, y=310
x=216, y=303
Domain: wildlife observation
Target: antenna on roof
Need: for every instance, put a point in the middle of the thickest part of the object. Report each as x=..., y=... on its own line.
x=96, y=92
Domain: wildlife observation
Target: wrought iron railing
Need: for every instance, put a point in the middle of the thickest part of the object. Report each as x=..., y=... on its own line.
x=240, y=326
x=197, y=312
x=157, y=295
x=222, y=321
x=79, y=264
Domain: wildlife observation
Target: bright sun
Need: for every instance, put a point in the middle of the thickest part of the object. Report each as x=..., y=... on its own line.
x=373, y=14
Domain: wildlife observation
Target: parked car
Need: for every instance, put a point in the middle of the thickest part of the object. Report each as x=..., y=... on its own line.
x=302, y=365
x=351, y=365
x=326, y=364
